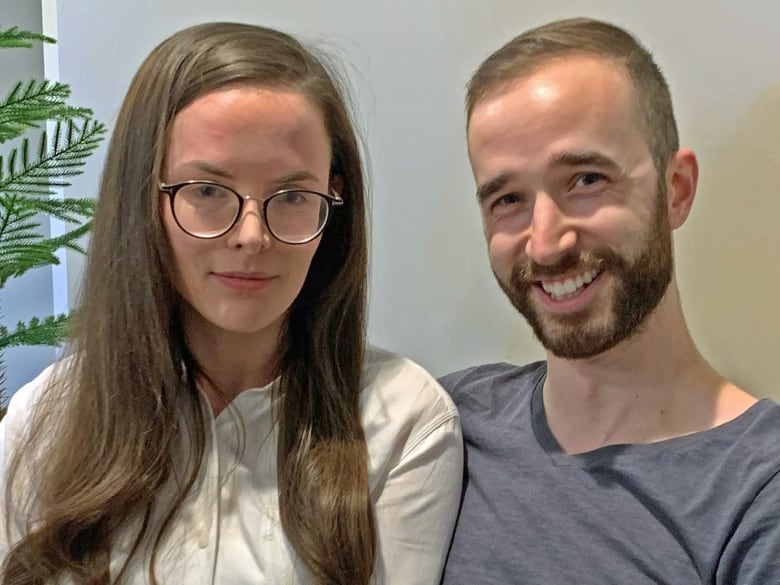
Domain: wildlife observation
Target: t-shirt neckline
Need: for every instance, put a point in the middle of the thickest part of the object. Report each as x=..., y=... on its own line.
x=608, y=454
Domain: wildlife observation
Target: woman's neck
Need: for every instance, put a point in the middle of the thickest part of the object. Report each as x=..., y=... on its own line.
x=231, y=361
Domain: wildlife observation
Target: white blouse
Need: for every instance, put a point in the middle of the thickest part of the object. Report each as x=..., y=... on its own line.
x=229, y=531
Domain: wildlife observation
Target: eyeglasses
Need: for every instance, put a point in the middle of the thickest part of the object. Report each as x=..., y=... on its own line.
x=204, y=209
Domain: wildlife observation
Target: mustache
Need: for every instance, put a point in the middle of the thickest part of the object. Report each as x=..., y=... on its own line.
x=530, y=271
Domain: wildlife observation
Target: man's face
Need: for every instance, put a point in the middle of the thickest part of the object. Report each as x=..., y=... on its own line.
x=574, y=212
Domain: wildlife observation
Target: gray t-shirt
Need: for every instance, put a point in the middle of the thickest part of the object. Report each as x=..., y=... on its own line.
x=703, y=508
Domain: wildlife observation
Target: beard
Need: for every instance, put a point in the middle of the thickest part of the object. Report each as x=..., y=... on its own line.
x=640, y=284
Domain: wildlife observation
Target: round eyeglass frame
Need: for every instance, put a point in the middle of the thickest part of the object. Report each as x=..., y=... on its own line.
x=171, y=189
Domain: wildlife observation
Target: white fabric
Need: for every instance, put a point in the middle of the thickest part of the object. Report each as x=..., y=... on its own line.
x=229, y=530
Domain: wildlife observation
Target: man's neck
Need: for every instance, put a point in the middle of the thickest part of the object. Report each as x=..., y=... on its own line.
x=651, y=387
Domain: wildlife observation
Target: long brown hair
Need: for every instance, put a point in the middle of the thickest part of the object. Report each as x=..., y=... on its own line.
x=120, y=410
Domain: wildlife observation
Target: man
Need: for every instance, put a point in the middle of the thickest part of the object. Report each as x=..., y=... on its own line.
x=624, y=457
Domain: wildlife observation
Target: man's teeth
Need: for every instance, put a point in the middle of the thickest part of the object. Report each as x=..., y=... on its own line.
x=569, y=287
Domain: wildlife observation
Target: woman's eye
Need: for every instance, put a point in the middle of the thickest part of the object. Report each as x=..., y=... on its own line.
x=292, y=197
x=205, y=191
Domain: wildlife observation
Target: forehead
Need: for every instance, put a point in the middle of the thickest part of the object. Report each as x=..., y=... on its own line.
x=575, y=103
x=249, y=124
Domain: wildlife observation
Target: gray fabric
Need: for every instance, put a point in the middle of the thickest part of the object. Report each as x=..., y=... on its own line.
x=704, y=508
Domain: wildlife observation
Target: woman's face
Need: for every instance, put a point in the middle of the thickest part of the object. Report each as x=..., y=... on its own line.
x=256, y=141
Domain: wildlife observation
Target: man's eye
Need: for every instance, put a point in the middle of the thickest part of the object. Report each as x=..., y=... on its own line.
x=587, y=179
x=507, y=204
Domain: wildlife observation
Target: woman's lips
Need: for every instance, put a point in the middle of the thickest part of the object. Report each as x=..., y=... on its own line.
x=244, y=281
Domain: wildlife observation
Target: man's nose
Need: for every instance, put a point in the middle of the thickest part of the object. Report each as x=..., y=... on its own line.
x=552, y=233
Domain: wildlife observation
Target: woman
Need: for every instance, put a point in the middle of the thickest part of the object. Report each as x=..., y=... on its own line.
x=219, y=420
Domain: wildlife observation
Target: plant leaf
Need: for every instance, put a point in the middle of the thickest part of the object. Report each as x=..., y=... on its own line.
x=69, y=210
x=13, y=38
x=31, y=104
x=62, y=156
x=51, y=330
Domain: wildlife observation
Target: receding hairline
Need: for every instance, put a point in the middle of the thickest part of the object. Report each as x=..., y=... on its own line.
x=505, y=84
x=637, y=101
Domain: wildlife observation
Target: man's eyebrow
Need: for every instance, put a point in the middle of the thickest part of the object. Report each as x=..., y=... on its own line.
x=583, y=158
x=568, y=158
x=498, y=182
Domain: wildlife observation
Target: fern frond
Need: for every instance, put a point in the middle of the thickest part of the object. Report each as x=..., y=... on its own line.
x=13, y=38
x=70, y=240
x=61, y=156
x=20, y=254
x=28, y=176
x=17, y=236
x=15, y=219
x=17, y=224
x=69, y=210
x=51, y=330
x=30, y=250
x=13, y=208
x=17, y=259
x=20, y=229
x=30, y=105
x=23, y=247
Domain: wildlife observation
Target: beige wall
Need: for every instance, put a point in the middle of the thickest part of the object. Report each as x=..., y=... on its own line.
x=433, y=296
x=729, y=253
x=722, y=59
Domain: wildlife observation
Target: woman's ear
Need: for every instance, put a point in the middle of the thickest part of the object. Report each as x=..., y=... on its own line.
x=337, y=184
x=682, y=176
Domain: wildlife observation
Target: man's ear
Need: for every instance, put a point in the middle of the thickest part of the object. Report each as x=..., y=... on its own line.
x=337, y=184
x=682, y=176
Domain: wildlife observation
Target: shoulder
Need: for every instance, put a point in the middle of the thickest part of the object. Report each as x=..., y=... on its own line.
x=393, y=379
x=756, y=430
x=402, y=404
x=23, y=402
x=488, y=383
x=14, y=429
x=752, y=553
x=746, y=447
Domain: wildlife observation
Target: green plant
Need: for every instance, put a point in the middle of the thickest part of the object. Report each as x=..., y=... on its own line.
x=29, y=177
